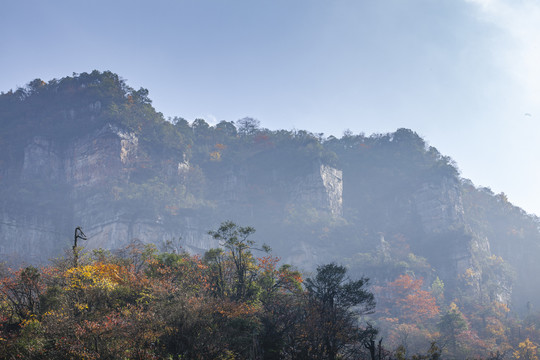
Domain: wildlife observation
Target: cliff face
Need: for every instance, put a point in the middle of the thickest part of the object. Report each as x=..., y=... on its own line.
x=30, y=236
x=459, y=252
x=42, y=160
x=87, y=169
x=90, y=170
x=322, y=189
x=80, y=171
x=100, y=157
x=397, y=189
x=439, y=205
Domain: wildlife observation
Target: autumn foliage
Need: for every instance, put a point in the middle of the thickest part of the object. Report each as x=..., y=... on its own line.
x=239, y=302
x=145, y=304
x=414, y=319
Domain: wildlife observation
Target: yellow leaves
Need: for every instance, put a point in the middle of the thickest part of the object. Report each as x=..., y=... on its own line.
x=499, y=309
x=215, y=156
x=390, y=320
x=496, y=260
x=30, y=323
x=453, y=307
x=100, y=275
x=470, y=276
x=494, y=325
x=145, y=297
x=469, y=273
x=527, y=350
x=81, y=306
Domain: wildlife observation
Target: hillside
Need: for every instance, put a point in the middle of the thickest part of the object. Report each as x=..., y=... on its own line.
x=89, y=150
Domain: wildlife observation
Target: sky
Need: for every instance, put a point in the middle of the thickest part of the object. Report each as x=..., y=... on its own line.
x=463, y=74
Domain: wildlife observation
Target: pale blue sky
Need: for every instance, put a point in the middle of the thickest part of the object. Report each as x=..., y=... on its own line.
x=461, y=73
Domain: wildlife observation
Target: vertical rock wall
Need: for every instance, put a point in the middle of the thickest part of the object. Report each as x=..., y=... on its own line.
x=439, y=205
x=458, y=251
x=321, y=189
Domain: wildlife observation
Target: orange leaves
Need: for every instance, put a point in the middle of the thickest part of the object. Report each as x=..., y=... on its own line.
x=291, y=280
x=262, y=139
x=267, y=263
x=409, y=301
x=272, y=279
x=215, y=156
x=19, y=293
x=404, y=284
x=363, y=145
x=233, y=309
x=124, y=333
x=420, y=306
x=178, y=272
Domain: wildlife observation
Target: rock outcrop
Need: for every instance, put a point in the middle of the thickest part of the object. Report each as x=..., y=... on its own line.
x=89, y=169
x=439, y=205
x=322, y=189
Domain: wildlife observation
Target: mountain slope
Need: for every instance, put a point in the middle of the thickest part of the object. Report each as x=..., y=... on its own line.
x=89, y=150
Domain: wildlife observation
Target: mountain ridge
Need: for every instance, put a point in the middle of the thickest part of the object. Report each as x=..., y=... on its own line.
x=89, y=150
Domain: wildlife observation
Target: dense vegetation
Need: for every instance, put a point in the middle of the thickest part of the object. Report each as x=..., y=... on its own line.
x=144, y=304
x=73, y=106
x=232, y=304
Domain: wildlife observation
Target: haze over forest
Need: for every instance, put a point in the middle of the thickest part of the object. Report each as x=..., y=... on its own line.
x=449, y=263
x=269, y=180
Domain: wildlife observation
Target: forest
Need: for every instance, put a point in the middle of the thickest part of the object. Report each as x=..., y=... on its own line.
x=393, y=254
x=237, y=302
x=145, y=304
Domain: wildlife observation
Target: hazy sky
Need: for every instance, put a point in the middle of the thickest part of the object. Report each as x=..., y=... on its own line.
x=464, y=74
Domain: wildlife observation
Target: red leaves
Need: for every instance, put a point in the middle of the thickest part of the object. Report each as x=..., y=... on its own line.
x=406, y=300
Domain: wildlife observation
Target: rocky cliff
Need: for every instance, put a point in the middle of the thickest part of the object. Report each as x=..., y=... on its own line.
x=90, y=169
